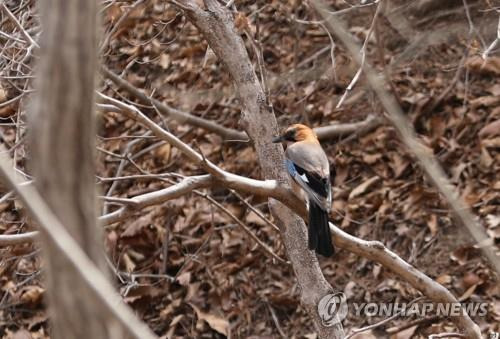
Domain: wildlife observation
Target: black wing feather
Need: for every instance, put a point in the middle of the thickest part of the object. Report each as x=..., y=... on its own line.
x=317, y=184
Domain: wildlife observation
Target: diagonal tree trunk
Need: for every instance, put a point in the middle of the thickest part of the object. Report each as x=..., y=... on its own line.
x=62, y=147
x=217, y=26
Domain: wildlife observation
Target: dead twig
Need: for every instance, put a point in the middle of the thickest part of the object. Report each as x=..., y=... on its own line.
x=428, y=163
x=17, y=239
x=59, y=237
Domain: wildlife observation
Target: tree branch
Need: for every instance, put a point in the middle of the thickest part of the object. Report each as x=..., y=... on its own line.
x=60, y=239
x=430, y=166
x=372, y=250
x=323, y=132
x=16, y=239
x=180, y=116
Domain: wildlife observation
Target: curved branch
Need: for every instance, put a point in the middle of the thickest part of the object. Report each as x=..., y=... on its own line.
x=157, y=197
x=183, y=117
x=372, y=250
x=104, y=293
x=335, y=130
x=433, y=170
x=16, y=239
x=323, y=132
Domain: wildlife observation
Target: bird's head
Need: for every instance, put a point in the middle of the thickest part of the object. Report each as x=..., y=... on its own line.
x=295, y=133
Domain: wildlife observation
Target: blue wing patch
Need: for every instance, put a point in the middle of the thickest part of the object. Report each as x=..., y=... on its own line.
x=317, y=188
x=290, y=167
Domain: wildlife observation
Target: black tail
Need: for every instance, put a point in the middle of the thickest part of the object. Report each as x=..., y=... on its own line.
x=320, y=238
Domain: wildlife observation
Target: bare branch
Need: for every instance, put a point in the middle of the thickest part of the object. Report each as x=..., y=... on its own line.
x=426, y=160
x=183, y=117
x=16, y=239
x=363, y=57
x=335, y=130
x=175, y=191
x=59, y=237
x=16, y=22
x=494, y=43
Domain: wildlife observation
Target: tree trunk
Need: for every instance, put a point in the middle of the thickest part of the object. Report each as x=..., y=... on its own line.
x=217, y=26
x=62, y=144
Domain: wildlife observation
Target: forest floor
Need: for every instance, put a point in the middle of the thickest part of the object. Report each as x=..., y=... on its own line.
x=187, y=269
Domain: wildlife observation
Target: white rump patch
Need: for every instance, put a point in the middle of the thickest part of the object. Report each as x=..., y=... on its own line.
x=304, y=177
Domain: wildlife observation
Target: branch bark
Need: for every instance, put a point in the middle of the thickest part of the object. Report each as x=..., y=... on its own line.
x=323, y=132
x=62, y=134
x=426, y=160
x=58, y=238
x=217, y=26
x=17, y=239
x=372, y=250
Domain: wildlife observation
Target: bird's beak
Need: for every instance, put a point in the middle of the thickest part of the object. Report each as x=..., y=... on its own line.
x=277, y=139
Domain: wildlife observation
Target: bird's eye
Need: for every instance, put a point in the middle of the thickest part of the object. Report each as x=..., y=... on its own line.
x=290, y=135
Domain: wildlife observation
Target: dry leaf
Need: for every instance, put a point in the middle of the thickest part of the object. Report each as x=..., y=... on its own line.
x=19, y=334
x=219, y=324
x=364, y=335
x=405, y=334
x=363, y=187
x=493, y=220
x=489, y=66
x=444, y=279
x=184, y=278
x=490, y=130
x=433, y=224
x=470, y=279
x=32, y=295
x=467, y=293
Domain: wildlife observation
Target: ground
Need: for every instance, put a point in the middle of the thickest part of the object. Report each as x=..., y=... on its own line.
x=187, y=269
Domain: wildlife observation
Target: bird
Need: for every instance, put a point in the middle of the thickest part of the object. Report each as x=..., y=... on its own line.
x=306, y=162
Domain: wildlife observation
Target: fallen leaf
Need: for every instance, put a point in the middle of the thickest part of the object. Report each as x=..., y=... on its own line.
x=467, y=293
x=433, y=224
x=364, y=335
x=488, y=66
x=470, y=279
x=490, y=130
x=217, y=323
x=493, y=221
x=444, y=279
x=19, y=334
x=405, y=334
x=363, y=187
x=184, y=278
x=32, y=295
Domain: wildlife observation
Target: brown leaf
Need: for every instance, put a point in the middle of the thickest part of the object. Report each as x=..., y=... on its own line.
x=184, y=278
x=363, y=187
x=444, y=279
x=20, y=334
x=467, y=293
x=365, y=335
x=217, y=323
x=493, y=221
x=489, y=66
x=405, y=334
x=433, y=224
x=162, y=153
x=470, y=279
x=32, y=295
x=490, y=130
x=253, y=218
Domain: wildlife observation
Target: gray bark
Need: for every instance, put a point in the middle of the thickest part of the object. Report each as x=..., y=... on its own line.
x=62, y=147
x=217, y=26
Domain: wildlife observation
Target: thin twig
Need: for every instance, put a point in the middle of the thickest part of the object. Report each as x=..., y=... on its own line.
x=18, y=25
x=83, y=266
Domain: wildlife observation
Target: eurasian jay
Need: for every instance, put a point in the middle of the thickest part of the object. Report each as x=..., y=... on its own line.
x=307, y=164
